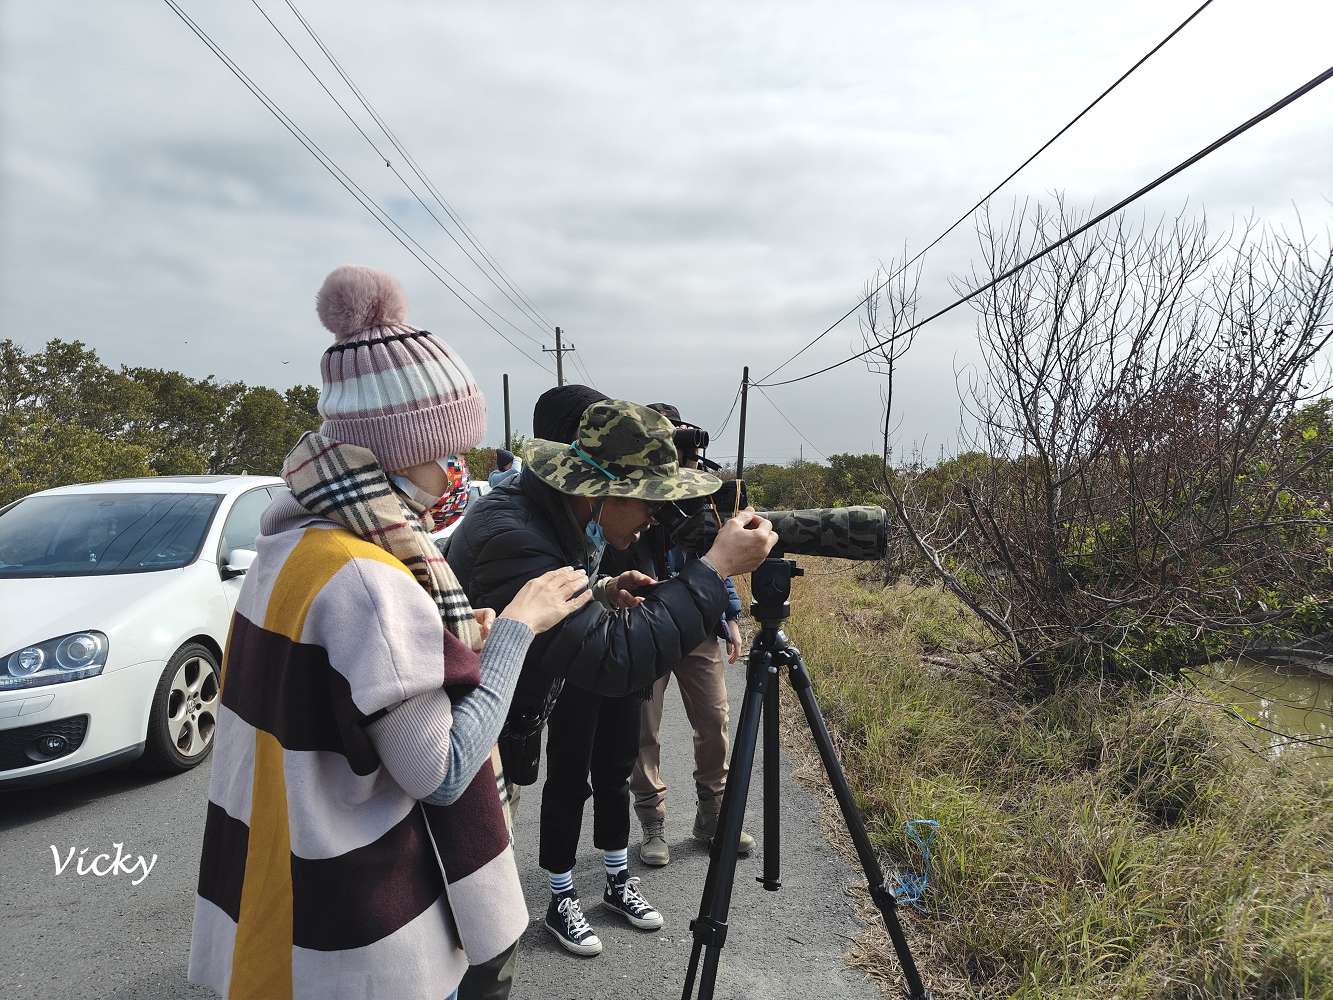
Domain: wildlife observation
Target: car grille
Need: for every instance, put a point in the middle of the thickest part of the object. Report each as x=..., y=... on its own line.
x=31, y=745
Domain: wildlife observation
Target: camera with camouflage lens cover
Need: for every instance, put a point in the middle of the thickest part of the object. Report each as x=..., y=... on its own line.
x=860, y=533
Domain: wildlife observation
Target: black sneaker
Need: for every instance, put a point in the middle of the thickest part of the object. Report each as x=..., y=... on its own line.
x=564, y=919
x=622, y=895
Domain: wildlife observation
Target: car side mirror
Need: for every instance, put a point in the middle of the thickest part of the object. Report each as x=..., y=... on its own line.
x=238, y=563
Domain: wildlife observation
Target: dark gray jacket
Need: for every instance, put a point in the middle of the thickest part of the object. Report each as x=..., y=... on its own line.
x=523, y=529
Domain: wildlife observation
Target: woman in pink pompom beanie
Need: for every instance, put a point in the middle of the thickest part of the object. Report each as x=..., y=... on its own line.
x=356, y=844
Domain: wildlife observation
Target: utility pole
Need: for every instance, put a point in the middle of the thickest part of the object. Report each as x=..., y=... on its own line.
x=559, y=351
x=508, y=438
x=740, y=448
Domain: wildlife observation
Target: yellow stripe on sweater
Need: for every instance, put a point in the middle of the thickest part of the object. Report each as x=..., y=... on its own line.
x=319, y=555
x=262, y=956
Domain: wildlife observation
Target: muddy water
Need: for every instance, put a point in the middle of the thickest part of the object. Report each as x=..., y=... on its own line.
x=1295, y=703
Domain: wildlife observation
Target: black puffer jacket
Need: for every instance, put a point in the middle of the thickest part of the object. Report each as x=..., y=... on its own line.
x=523, y=529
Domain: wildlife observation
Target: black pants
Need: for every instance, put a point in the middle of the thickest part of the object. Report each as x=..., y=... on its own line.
x=491, y=980
x=588, y=737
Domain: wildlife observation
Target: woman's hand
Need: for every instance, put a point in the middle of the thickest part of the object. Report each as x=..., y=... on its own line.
x=620, y=591
x=547, y=600
x=485, y=619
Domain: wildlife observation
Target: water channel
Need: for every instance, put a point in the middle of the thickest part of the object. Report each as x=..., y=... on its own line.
x=1294, y=705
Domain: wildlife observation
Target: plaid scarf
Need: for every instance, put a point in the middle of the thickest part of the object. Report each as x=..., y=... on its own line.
x=346, y=484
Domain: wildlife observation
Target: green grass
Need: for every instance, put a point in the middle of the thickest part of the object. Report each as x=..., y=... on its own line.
x=1103, y=842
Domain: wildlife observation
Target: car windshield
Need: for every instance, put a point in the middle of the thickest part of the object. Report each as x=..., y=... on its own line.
x=92, y=534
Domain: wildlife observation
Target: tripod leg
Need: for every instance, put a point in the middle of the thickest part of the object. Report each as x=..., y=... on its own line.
x=710, y=927
x=772, y=877
x=879, y=890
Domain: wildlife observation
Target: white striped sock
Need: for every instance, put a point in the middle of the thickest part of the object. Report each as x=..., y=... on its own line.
x=560, y=882
x=616, y=861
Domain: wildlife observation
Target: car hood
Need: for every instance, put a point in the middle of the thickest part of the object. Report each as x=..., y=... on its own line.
x=34, y=609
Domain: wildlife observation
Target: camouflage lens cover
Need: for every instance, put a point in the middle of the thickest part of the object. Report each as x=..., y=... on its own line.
x=842, y=532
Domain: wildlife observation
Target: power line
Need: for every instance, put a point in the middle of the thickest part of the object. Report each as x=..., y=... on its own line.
x=582, y=366
x=410, y=190
x=789, y=423
x=727, y=419
x=532, y=312
x=989, y=194
x=1212, y=147
x=336, y=172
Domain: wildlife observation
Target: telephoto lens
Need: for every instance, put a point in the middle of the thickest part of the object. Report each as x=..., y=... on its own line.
x=843, y=532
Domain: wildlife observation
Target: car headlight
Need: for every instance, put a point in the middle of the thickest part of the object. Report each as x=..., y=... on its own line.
x=64, y=658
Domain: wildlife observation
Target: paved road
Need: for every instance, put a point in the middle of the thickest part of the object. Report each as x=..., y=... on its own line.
x=79, y=937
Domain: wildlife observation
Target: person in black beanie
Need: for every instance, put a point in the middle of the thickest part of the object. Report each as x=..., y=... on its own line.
x=504, y=468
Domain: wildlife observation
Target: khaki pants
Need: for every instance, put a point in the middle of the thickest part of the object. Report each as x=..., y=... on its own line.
x=703, y=689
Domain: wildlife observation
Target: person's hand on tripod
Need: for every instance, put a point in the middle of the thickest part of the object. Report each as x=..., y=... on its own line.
x=742, y=544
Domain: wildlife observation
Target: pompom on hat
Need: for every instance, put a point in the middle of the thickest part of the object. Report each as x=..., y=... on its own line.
x=387, y=386
x=354, y=298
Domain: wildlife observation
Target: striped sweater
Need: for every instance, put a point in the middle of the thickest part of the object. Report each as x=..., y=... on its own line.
x=319, y=876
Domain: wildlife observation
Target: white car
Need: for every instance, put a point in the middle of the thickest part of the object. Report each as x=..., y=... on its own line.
x=115, y=599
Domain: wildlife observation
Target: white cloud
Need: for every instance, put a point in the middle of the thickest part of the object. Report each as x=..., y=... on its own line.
x=685, y=188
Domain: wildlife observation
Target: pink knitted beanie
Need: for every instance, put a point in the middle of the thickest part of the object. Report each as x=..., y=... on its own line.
x=389, y=387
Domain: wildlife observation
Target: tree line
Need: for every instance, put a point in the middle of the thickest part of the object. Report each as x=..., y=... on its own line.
x=67, y=417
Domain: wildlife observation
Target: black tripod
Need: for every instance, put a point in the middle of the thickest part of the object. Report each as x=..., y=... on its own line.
x=770, y=653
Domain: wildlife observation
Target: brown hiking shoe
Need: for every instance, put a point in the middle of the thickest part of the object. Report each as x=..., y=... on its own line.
x=705, y=825
x=654, y=851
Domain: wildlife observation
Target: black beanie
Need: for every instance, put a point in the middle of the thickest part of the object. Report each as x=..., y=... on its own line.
x=558, y=411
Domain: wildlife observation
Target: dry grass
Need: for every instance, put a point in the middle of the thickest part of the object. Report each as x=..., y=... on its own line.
x=1101, y=843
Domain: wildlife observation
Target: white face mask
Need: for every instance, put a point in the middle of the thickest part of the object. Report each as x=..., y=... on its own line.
x=415, y=493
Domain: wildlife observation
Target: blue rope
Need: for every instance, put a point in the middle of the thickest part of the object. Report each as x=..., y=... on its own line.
x=911, y=886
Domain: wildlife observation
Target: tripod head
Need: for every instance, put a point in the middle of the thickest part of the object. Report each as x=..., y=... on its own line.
x=770, y=585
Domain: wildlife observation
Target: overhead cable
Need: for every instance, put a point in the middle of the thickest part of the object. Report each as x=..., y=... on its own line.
x=402, y=180
x=784, y=416
x=989, y=194
x=338, y=174
x=727, y=419
x=1212, y=147
x=531, y=310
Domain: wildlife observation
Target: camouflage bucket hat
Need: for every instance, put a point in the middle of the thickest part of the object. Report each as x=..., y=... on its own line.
x=623, y=450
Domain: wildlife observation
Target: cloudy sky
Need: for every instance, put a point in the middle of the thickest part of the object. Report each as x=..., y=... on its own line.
x=685, y=188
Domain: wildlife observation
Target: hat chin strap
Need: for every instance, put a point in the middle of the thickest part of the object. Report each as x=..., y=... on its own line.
x=585, y=457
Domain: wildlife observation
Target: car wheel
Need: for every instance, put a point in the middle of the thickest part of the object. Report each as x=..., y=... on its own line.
x=184, y=716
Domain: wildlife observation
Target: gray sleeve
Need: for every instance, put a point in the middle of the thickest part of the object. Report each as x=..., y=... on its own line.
x=433, y=747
